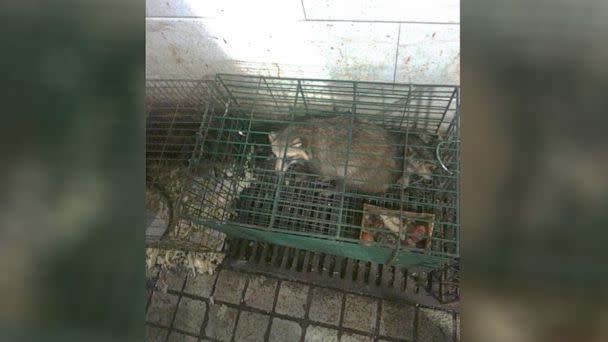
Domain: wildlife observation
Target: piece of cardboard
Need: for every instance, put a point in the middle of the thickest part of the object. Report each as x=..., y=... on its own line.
x=385, y=225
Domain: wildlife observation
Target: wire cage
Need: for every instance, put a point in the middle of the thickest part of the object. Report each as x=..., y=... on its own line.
x=237, y=183
x=174, y=113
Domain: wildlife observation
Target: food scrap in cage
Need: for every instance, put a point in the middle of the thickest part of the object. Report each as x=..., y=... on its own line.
x=385, y=225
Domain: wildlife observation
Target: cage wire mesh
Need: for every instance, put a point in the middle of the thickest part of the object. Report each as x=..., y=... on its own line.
x=311, y=193
x=175, y=111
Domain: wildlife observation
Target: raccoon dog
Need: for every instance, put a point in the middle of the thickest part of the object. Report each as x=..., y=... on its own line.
x=369, y=164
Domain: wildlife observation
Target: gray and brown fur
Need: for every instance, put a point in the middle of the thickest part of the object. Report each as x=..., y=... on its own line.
x=323, y=145
x=419, y=160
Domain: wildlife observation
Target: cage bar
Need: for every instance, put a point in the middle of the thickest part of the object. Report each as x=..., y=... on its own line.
x=231, y=185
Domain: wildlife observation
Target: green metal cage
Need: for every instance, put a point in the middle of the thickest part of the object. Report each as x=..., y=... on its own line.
x=231, y=184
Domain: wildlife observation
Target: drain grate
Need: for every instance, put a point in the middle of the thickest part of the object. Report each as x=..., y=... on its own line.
x=390, y=282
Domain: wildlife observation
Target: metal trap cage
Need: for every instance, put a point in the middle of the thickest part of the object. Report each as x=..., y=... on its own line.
x=174, y=114
x=233, y=184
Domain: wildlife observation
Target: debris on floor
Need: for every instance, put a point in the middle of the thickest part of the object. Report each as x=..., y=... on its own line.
x=175, y=260
x=175, y=243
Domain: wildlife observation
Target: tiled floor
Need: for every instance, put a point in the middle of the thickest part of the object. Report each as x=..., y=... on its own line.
x=233, y=306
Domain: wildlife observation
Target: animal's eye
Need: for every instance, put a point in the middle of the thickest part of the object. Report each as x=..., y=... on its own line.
x=296, y=143
x=272, y=136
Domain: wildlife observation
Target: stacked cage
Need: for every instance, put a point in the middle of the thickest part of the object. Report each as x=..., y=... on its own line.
x=236, y=179
x=175, y=111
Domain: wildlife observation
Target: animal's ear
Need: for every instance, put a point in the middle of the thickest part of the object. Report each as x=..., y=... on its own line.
x=272, y=136
x=297, y=142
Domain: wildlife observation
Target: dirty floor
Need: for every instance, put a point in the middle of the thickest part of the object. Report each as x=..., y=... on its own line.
x=236, y=306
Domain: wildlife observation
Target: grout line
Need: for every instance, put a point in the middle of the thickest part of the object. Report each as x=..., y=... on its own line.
x=238, y=313
x=308, y=304
x=454, y=327
x=274, y=305
x=343, y=306
x=304, y=10
x=378, y=318
x=416, y=318
x=268, y=328
x=180, y=331
x=397, y=54
x=178, y=18
x=271, y=312
x=384, y=21
x=305, y=323
x=202, y=333
x=152, y=289
x=179, y=299
x=356, y=21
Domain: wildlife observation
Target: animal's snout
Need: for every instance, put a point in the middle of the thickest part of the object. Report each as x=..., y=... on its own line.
x=278, y=164
x=282, y=164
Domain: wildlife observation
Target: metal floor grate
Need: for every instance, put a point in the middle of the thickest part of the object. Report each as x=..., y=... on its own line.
x=438, y=289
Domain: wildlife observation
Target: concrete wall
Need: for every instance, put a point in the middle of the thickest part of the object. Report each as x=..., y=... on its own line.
x=415, y=41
